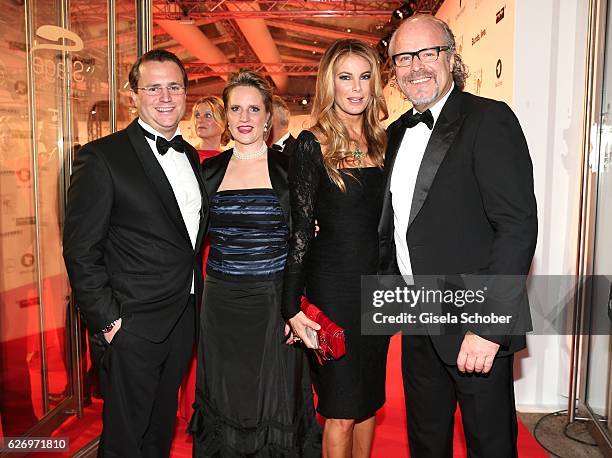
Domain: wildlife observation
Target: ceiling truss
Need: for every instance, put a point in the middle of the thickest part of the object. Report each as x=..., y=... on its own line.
x=203, y=70
x=269, y=9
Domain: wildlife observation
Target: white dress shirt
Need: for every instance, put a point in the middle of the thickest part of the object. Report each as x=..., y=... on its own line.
x=184, y=184
x=281, y=141
x=403, y=181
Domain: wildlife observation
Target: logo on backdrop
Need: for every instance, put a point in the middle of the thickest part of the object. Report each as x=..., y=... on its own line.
x=23, y=175
x=480, y=35
x=498, y=73
x=460, y=12
x=56, y=38
x=500, y=15
x=27, y=260
x=25, y=221
x=8, y=204
x=478, y=81
x=57, y=34
x=20, y=87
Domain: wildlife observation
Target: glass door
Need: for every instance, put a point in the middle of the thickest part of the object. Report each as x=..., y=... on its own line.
x=35, y=369
x=597, y=382
x=55, y=62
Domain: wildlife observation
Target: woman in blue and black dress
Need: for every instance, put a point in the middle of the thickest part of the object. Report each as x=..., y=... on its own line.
x=253, y=393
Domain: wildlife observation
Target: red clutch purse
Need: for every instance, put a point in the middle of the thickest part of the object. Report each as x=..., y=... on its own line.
x=331, y=336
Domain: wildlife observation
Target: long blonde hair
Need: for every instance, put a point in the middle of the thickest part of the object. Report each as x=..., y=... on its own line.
x=329, y=128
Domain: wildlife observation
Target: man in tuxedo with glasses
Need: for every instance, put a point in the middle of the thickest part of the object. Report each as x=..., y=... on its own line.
x=135, y=220
x=459, y=200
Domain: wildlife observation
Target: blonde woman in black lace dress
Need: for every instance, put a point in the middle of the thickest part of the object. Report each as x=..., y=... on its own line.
x=337, y=179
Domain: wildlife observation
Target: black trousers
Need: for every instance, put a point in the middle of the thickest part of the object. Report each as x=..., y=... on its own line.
x=139, y=380
x=432, y=390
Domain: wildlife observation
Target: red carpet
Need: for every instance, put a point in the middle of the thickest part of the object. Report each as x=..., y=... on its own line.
x=390, y=439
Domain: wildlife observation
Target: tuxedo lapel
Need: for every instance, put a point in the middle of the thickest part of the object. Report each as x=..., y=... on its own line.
x=395, y=135
x=194, y=160
x=278, y=170
x=441, y=139
x=157, y=177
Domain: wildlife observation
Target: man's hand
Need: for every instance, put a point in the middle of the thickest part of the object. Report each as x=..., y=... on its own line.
x=476, y=354
x=111, y=334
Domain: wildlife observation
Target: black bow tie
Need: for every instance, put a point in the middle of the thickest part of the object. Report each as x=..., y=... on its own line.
x=276, y=147
x=164, y=145
x=415, y=117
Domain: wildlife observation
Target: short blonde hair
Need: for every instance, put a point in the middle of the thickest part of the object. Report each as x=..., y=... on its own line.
x=218, y=113
x=249, y=78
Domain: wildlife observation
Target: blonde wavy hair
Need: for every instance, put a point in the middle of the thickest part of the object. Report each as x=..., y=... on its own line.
x=328, y=126
x=218, y=113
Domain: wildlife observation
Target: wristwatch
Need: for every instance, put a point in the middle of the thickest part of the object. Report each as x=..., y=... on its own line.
x=109, y=327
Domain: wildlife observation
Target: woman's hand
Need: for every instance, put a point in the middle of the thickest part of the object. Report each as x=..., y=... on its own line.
x=290, y=339
x=297, y=328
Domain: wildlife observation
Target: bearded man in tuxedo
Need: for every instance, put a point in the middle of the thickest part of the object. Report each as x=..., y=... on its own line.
x=135, y=219
x=459, y=200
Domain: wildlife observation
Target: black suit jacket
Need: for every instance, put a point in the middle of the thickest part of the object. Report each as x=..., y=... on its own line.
x=278, y=168
x=289, y=145
x=126, y=247
x=473, y=209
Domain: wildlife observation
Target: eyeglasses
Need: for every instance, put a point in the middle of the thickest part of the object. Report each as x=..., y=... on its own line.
x=425, y=55
x=154, y=91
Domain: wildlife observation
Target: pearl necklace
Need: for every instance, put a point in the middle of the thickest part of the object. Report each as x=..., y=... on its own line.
x=247, y=156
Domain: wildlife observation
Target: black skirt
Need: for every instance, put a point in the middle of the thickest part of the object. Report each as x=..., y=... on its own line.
x=253, y=392
x=352, y=387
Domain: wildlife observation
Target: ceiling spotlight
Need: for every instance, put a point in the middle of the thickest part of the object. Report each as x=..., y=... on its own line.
x=404, y=11
x=185, y=20
x=383, y=47
x=314, y=52
x=304, y=101
x=348, y=30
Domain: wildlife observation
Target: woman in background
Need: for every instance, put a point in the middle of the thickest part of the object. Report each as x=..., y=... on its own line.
x=337, y=178
x=253, y=395
x=208, y=119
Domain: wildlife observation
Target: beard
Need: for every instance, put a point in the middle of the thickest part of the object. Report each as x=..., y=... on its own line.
x=413, y=96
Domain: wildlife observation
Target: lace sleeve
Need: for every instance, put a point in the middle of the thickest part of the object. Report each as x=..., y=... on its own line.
x=304, y=176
